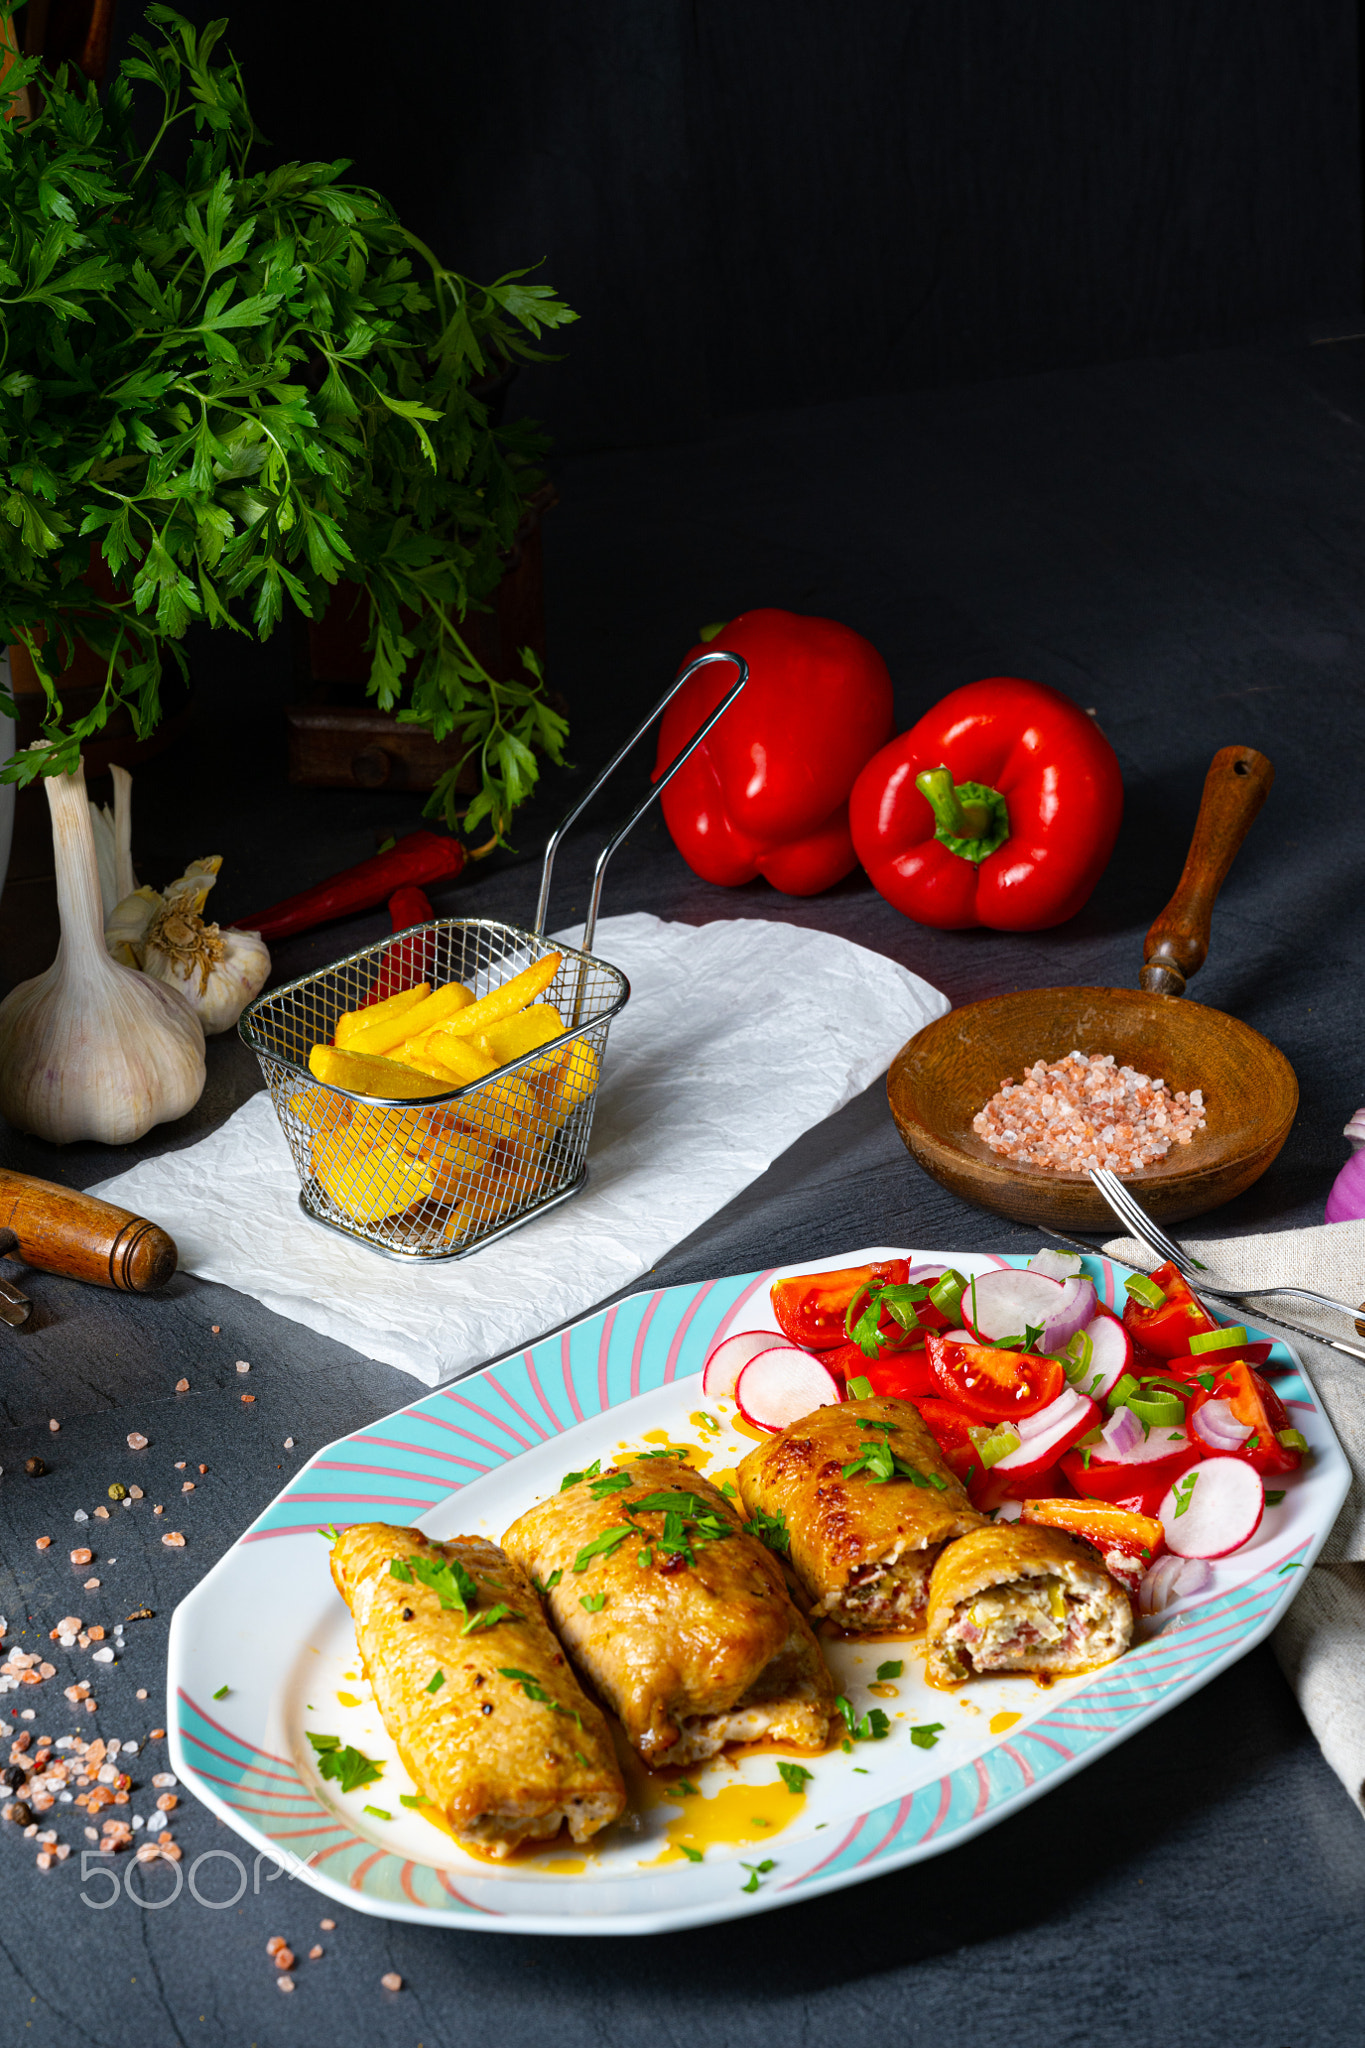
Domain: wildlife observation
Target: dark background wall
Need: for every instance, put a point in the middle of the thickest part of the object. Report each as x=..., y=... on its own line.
x=759, y=203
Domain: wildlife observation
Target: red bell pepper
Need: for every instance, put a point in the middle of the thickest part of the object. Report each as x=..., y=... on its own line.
x=766, y=793
x=1254, y=1403
x=1127, y=1541
x=1165, y=1329
x=904, y=1375
x=999, y=808
x=810, y=1308
x=990, y=1385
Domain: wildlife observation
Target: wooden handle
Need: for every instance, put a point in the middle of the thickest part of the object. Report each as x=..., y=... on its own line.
x=1237, y=784
x=59, y=1230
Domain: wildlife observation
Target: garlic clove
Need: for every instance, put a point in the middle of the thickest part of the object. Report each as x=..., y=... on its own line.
x=93, y=1049
x=125, y=928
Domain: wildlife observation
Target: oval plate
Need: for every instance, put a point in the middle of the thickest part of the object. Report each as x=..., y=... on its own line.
x=267, y=1626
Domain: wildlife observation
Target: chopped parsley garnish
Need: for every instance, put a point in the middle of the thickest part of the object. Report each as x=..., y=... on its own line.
x=576, y=1478
x=869, y=1422
x=881, y=1463
x=757, y=1870
x=615, y=1482
x=686, y=1785
x=795, y=1777
x=645, y=1558
x=438, y=1679
x=1184, y=1493
x=752, y=1885
x=605, y=1545
x=413, y=1799
x=1288, y=1568
x=1032, y=1332
x=677, y=1451
x=692, y=1855
x=379, y=1812
x=330, y=1531
x=350, y=1767
x=446, y=1578
x=926, y=1734
x=770, y=1529
x=873, y=1727
x=1205, y=1380
x=222, y=1691
x=897, y=1300
x=1253, y=1443
x=549, y=1585
x=1272, y=1500
x=534, y=1690
x=593, y=1603
x=500, y=1611
x=894, y=1669
x=728, y=1490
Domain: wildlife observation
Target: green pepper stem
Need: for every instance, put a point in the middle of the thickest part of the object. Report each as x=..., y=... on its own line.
x=936, y=786
x=970, y=818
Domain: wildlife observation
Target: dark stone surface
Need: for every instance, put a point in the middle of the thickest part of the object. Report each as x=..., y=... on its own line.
x=1177, y=543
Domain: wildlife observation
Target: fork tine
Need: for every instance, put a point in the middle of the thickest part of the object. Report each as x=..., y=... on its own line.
x=1131, y=1212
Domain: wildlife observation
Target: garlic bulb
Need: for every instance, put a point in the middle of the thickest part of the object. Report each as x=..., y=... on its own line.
x=91, y=1049
x=114, y=844
x=216, y=972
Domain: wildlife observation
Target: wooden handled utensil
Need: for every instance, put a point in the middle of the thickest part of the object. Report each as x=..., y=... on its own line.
x=59, y=1230
x=947, y=1073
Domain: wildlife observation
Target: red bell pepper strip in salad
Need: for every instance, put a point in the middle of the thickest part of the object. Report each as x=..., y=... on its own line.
x=991, y=1385
x=811, y=1307
x=1162, y=1313
x=905, y=1375
x=999, y=808
x=418, y=858
x=766, y=793
x=1127, y=1541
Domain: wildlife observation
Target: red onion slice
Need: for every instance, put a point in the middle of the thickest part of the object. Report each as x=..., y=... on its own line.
x=1171, y=1579
x=1219, y=1428
x=1121, y=1436
x=1077, y=1307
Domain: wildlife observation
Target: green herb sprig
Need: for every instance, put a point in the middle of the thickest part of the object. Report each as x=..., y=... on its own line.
x=351, y=1768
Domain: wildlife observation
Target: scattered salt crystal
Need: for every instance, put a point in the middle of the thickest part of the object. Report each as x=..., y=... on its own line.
x=80, y=1516
x=289, y=1443
x=136, y=1440
x=101, y=1657
x=242, y=1365
x=391, y=1981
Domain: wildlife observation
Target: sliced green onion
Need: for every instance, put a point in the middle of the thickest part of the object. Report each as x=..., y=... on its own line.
x=1157, y=1410
x=1121, y=1389
x=860, y=1390
x=1144, y=1289
x=946, y=1294
x=995, y=1444
x=1292, y=1439
x=1234, y=1338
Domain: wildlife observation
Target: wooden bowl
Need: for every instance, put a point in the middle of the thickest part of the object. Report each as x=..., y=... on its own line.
x=951, y=1069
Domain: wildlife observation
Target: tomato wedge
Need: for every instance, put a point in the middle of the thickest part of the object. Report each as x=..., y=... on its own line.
x=906, y=1375
x=1165, y=1331
x=992, y=1385
x=1255, y=1403
x=810, y=1307
x=948, y=1425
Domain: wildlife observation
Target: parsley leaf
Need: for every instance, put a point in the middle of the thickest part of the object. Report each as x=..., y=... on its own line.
x=771, y=1530
x=446, y=1578
x=349, y=1767
x=438, y=1679
x=577, y=1478
x=752, y=1885
x=894, y=1668
x=593, y=1603
x=549, y=1585
x=490, y=1618
x=794, y=1776
x=534, y=1690
x=926, y=1734
x=615, y=1482
x=692, y=1855
x=605, y=1545
x=873, y=1727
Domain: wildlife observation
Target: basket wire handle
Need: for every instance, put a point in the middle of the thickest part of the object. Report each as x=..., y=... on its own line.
x=599, y=872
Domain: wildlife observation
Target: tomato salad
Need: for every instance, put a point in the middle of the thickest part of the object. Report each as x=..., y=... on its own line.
x=1154, y=1435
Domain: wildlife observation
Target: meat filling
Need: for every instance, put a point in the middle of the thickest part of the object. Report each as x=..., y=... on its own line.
x=784, y=1704
x=888, y=1597
x=1031, y=1624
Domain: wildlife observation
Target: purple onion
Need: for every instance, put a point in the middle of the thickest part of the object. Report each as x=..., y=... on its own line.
x=1346, y=1201
x=1169, y=1579
x=1219, y=1427
x=1121, y=1435
x=1077, y=1307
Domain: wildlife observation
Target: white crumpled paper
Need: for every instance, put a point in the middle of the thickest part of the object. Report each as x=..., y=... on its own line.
x=737, y=1037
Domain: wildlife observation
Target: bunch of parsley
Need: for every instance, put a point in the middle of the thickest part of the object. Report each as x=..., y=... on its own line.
x=247, y=386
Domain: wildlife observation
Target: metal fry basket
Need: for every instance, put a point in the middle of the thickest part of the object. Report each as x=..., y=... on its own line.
x=439, y=1177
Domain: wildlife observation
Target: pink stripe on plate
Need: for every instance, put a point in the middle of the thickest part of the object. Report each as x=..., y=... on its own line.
x=257, y=1770
x=832, y=1857
x=321, y=1855
x=534, y=1378
x=240, y=1740
x=392, y=1443
x=441, y=1485
x=1025, y=1767
x=639, y=1348
x=567, y=1369
x=945, y=1788
x=362, y=1870
x=1035, y=1736
x=496, y=1420
x=732, y=1312
x=446, y=1886
x=676, y=1346
x=516, y=1406
x=604, y=1358
x=983, y=1796
x=902, y=1815
x=439, y=1422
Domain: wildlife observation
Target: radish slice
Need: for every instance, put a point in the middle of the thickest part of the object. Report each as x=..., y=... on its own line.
x=730, y=1357
x=1003, y=1304
x=1070, y=1415
x=1171, y=1579
x=1056, y=1265
x=1043, y=1420
x=781, y=1385
x=1213, y=1508
x=1159, y=1443
x=1111, y=1356
x=1218, y=1427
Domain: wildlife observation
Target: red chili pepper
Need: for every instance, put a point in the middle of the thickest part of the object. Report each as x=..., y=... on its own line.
x=419, y=858
x=999, y=808
x=412, y=960
x=1165, y=1331
x=766, y=793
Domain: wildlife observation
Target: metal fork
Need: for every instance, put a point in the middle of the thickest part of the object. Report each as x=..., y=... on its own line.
x=1130, y=1211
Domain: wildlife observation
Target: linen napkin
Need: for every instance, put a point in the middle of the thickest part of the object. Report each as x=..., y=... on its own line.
x=1320, y=1644
x=738, y=1036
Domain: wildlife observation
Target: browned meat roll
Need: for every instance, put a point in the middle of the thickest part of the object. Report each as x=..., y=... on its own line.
x=488, y=1718
x=1017, y=1596
x=681, y=1620
x=863, y=1496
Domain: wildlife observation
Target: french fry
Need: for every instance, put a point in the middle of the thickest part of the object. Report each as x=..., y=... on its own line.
x=520, y=1034
x=499, y=1003
x=449, y=1059
x=368, y=1074
x=440, y=1008
x=380, y=1028
x=370, y=1178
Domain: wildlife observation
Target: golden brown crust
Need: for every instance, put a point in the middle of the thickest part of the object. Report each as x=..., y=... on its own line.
x=500, y=1765
x=851, y=1538
x=1082, y=1616
x=677, y=1646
